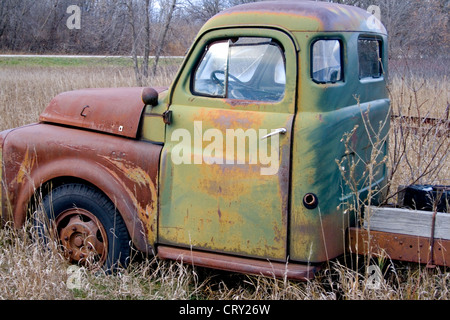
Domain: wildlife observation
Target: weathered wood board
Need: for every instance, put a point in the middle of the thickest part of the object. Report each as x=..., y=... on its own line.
x=407, y=221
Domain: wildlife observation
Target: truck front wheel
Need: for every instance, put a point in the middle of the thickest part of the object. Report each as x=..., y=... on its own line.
x=87, y=226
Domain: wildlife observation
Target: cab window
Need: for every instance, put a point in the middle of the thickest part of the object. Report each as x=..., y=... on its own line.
x=243, y=68
x=369, y=55
x=326, y=61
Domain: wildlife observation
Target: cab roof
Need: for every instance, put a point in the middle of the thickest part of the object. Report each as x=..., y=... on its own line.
x=310, y=16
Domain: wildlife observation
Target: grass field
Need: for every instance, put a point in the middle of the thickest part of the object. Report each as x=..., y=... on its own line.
x=28, y=272
x=89, y=62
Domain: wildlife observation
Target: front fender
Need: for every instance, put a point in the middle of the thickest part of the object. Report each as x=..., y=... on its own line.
x=125, y=170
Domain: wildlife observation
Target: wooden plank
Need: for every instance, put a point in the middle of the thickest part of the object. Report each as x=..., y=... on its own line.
x=399, y=246
x=407, y=221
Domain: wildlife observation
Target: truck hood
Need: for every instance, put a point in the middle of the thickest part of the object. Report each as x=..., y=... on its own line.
x=112, y=110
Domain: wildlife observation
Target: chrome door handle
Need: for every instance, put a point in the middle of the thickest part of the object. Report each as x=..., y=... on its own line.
x=276, y=131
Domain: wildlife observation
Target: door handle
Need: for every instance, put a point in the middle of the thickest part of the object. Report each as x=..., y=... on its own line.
x=276, y=131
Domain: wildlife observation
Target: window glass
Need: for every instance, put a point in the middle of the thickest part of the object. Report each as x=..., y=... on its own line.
x=326, y=61
x=280, y=72
x=213, y=63
x=369, y=52
x=244, y=68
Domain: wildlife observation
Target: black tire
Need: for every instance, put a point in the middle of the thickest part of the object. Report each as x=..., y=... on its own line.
x=87, y=225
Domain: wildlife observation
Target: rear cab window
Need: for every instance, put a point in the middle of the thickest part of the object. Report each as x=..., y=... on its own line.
x=370, y=58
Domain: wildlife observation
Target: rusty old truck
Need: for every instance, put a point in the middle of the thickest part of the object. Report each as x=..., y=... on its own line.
x=234, y=166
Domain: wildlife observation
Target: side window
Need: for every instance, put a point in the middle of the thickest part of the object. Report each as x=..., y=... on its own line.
x=326, y=61
x=244, y=68
x=213, y=64
x=369, y=54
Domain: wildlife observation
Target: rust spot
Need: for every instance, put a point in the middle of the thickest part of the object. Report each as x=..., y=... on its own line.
x=142, y=179
x=225, y=119
x=25, y=168
x=245, y=265
x=398, y=246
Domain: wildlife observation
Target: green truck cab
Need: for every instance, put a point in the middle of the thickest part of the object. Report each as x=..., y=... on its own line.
x=234, y=166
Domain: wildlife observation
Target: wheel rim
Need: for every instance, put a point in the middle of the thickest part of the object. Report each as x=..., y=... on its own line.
x=83, y=237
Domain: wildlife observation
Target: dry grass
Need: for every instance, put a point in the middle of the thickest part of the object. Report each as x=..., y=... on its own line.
x=419, y=150
x=28, y=272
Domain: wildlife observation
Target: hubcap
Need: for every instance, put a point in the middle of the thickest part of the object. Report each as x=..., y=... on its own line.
x=83, y=237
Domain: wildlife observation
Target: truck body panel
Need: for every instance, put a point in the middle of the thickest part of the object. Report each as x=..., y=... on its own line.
x=326, y=112
x=229, y=213
x=123, y=169
x=245, y=156
x=116, y=111
x=297, y=16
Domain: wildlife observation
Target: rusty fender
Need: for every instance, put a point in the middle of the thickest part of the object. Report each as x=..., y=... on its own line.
x=125, y=170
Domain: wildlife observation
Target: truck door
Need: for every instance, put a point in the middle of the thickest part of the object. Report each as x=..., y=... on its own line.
x=224, y=176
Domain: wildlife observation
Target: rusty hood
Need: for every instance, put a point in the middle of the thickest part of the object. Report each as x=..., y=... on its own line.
x=112, y=110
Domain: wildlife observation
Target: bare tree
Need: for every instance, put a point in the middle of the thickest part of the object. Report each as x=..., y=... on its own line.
x=162, y=38
x=134, y=45
x=140, y=22
x=145, y=27
x=5, y=9
x=202, y=10
x=146, y=39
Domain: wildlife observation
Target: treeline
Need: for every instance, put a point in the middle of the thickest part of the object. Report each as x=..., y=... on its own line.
x=117, y=27
x=108, y=27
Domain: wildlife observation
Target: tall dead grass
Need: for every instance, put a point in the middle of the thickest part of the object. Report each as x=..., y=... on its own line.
x=419, y=139
x=28, y=272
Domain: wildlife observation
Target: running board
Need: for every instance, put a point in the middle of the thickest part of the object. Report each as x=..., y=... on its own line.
x=294, y=271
